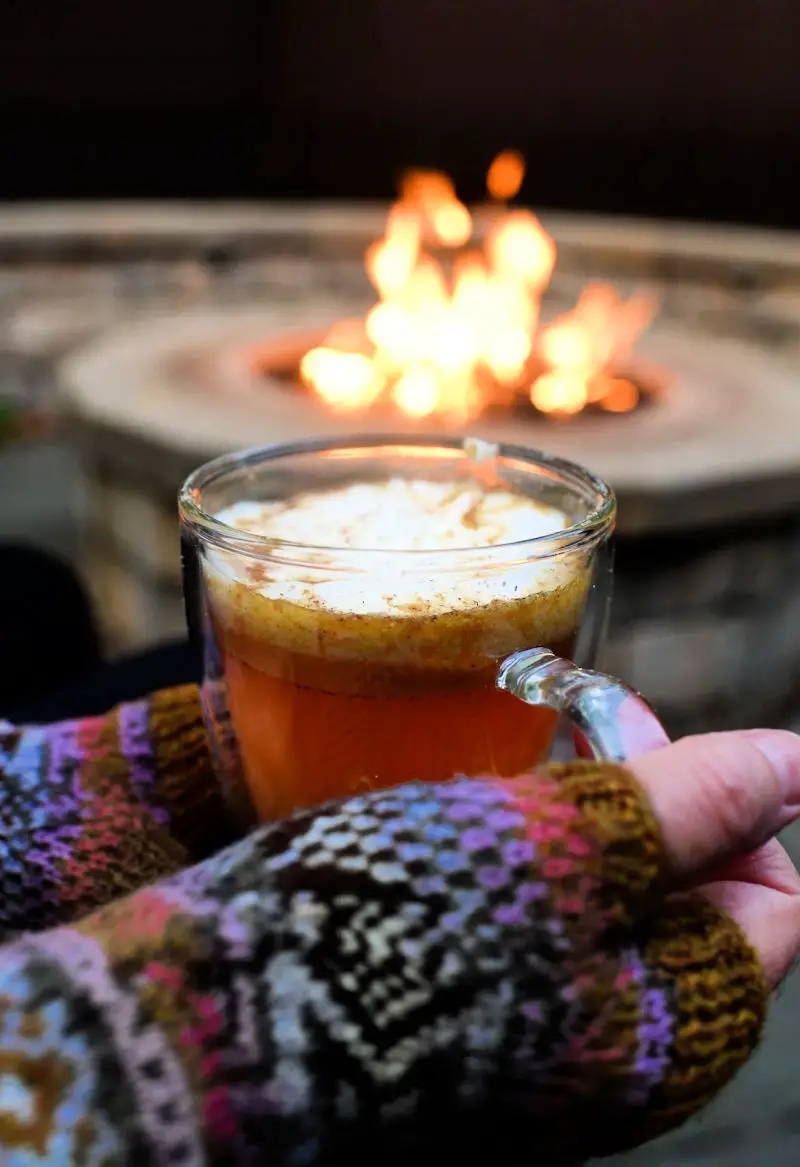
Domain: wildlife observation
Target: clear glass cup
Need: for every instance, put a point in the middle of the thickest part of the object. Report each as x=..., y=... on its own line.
x=305, y=703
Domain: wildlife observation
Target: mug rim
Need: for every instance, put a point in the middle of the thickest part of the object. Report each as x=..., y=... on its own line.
x=581, y=535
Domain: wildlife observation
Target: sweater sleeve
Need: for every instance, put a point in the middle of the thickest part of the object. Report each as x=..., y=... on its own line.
x=480, y=967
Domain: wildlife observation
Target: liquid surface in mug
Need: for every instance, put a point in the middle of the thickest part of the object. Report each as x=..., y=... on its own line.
x=342, y=679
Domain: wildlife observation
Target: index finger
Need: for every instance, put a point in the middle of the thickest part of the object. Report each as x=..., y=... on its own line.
x=761, y=892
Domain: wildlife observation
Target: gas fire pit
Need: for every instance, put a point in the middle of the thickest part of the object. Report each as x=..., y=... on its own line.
x=191, y=334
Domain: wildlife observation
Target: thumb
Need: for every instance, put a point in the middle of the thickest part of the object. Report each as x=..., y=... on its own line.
x=721, y=795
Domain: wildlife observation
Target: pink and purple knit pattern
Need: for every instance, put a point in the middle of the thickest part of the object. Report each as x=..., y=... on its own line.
x=481, y=967
x=95, y=808
x=419, y=959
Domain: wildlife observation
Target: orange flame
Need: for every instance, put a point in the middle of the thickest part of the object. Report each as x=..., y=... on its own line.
x=456, y=329
x=506, y=175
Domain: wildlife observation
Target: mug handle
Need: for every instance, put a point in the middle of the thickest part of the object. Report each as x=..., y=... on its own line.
x=615, y=721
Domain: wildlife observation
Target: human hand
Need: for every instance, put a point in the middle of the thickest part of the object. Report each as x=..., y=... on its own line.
x=720, y=800
x=483, y=962
x=95, y=808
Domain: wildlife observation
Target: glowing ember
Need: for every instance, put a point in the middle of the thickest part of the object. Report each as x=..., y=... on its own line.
x=457, y=327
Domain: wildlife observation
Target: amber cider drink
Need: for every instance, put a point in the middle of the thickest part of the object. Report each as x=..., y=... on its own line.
x=340, y=681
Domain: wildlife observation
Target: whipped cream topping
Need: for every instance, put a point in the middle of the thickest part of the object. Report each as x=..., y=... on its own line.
x=398, y=515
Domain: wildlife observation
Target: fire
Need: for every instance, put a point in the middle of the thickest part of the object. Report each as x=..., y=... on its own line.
x=505, y=175
x=457, y=325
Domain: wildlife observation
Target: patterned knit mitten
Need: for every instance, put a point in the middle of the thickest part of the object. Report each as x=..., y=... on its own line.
x=480, y=970
x=94, y=809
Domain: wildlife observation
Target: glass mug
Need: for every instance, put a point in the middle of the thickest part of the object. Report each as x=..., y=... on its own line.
x=307, y=700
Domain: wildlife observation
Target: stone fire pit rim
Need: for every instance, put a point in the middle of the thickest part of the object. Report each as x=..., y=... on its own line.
x=103, y=230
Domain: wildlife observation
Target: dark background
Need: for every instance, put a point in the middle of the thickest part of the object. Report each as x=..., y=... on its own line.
x=684, y=108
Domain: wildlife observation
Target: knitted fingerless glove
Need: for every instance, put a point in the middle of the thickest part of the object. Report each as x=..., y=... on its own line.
x=481, y=966
x=95, y=808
